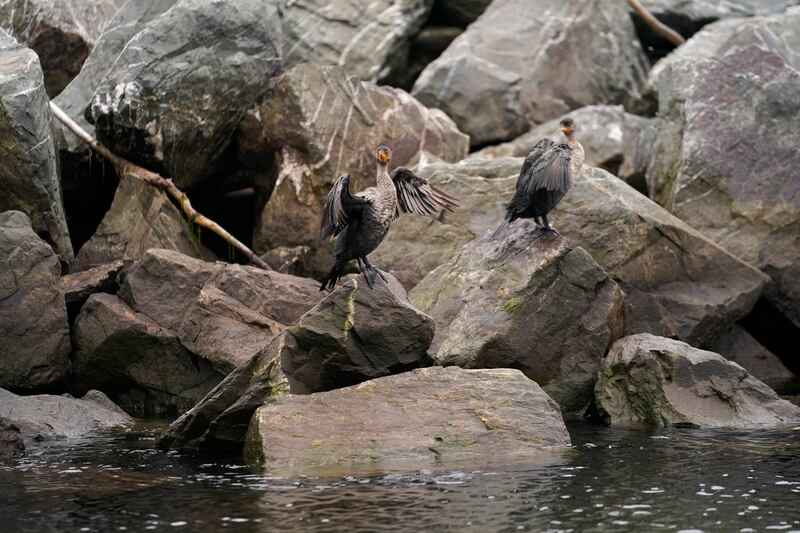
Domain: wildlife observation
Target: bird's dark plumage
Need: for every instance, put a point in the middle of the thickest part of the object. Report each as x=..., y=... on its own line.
x=545, y=177
x=360, y=222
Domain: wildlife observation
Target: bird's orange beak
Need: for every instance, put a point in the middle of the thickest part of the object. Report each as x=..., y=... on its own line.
x=566, y=131
x=383, y=156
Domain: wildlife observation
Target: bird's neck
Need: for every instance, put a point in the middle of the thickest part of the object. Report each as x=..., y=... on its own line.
x=383, y=180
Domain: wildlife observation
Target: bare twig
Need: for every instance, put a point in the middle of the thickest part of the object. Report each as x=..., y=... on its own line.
x=662, y=29
x=126, y=168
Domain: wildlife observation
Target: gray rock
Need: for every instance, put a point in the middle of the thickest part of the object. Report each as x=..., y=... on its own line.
x=34, y=335
x=726, y=161
x=29, y=175
x=326, y=123
x=614, y=140
x=528, y=61
x=207, y=62
x=368, y=39
x=45, y=417
x=461, y=12
x=11, y=443
x=141, y=217
x=355, y=334
x=78, y=286
x=740, y=347
x=649, y=380
x=221, y=312
x=221, y=419
x=61, y=32
x=529, y=301
x=431, y=417
x=73, y=100
x=677, y=282
x=142, y=366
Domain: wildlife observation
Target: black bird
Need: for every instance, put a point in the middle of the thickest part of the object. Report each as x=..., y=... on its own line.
x=362, y=221
x=545, y=177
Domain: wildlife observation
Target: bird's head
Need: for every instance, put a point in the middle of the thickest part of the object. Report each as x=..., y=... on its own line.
x=568, y=128
x=383, y=155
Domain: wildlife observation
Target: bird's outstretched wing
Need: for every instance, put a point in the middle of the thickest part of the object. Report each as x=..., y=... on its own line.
x=552, y=170
x=416, y=195
x=530, y=161
x=341, y=207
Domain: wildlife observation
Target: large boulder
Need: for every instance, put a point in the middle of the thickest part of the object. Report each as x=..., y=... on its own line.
x=78, y=286
x=527, y=61
x=353, y=335
x=45, y=417
x=431, y=417
x=207, y=62
x=200, y=319
x=325, y=123
x=727, y=160
x=677, y=282
x=73, y=100
x=613, y=139
x=739, y=346
x=356, y=334
x=141, y=217
x=530, y=301
x=221, y=312
x=649, y=380
x=61, y=32
x=34, y=334
x=368, y=39
x=140, y=365
x=689, y=16
x=29, y=174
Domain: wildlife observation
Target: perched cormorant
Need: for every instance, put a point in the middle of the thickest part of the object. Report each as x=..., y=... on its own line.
x=545, y=177
x=361, y=221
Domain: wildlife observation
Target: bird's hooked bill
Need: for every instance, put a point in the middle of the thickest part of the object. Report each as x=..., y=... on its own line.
x=566, y=130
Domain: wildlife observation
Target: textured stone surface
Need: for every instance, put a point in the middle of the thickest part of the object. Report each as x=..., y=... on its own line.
x=528, y=61
x=325, y=123
x=141, y=217
x=223, y=313
x=61, y=32
x=142, y=366
x=73, y=100
x=727, y=159
x=417, y=245
x=677, y=282
x=78, y=286
x=207, y=62
x=367, y=39
x=656, y=381
x=529, y=301
x=353, y=335
x=431, y=417
x=11, y=443
x=34, y=335
x=617, y=141
x=740, y=347
x=45, y=417
x=356, y=334
x=29, y=175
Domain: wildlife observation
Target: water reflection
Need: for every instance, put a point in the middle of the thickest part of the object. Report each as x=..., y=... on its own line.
x=613, y=480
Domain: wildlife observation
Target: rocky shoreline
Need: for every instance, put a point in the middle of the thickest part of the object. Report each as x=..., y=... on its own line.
x=671, y=294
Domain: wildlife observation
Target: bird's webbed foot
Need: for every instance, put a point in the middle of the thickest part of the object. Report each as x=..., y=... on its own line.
x=371, y=274
x=551, y=229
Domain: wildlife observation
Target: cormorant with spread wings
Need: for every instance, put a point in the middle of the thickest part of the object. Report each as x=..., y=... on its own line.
x=545, y=177
x=361, y=221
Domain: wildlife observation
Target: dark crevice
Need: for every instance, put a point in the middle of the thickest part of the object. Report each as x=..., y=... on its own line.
x=775, y=332
x=88, y=194
x=655, y=46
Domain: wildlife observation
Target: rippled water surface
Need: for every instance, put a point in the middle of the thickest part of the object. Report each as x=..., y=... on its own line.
x=613, y=480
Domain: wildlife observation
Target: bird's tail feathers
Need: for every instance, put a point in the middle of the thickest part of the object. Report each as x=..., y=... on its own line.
x=501, y=228
x=333, y=276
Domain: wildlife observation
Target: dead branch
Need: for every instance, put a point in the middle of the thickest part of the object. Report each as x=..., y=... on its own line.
x=657, y=26
x=127, y=168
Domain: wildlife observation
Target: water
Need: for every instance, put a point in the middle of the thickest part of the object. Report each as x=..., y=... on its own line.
x=612, y=480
